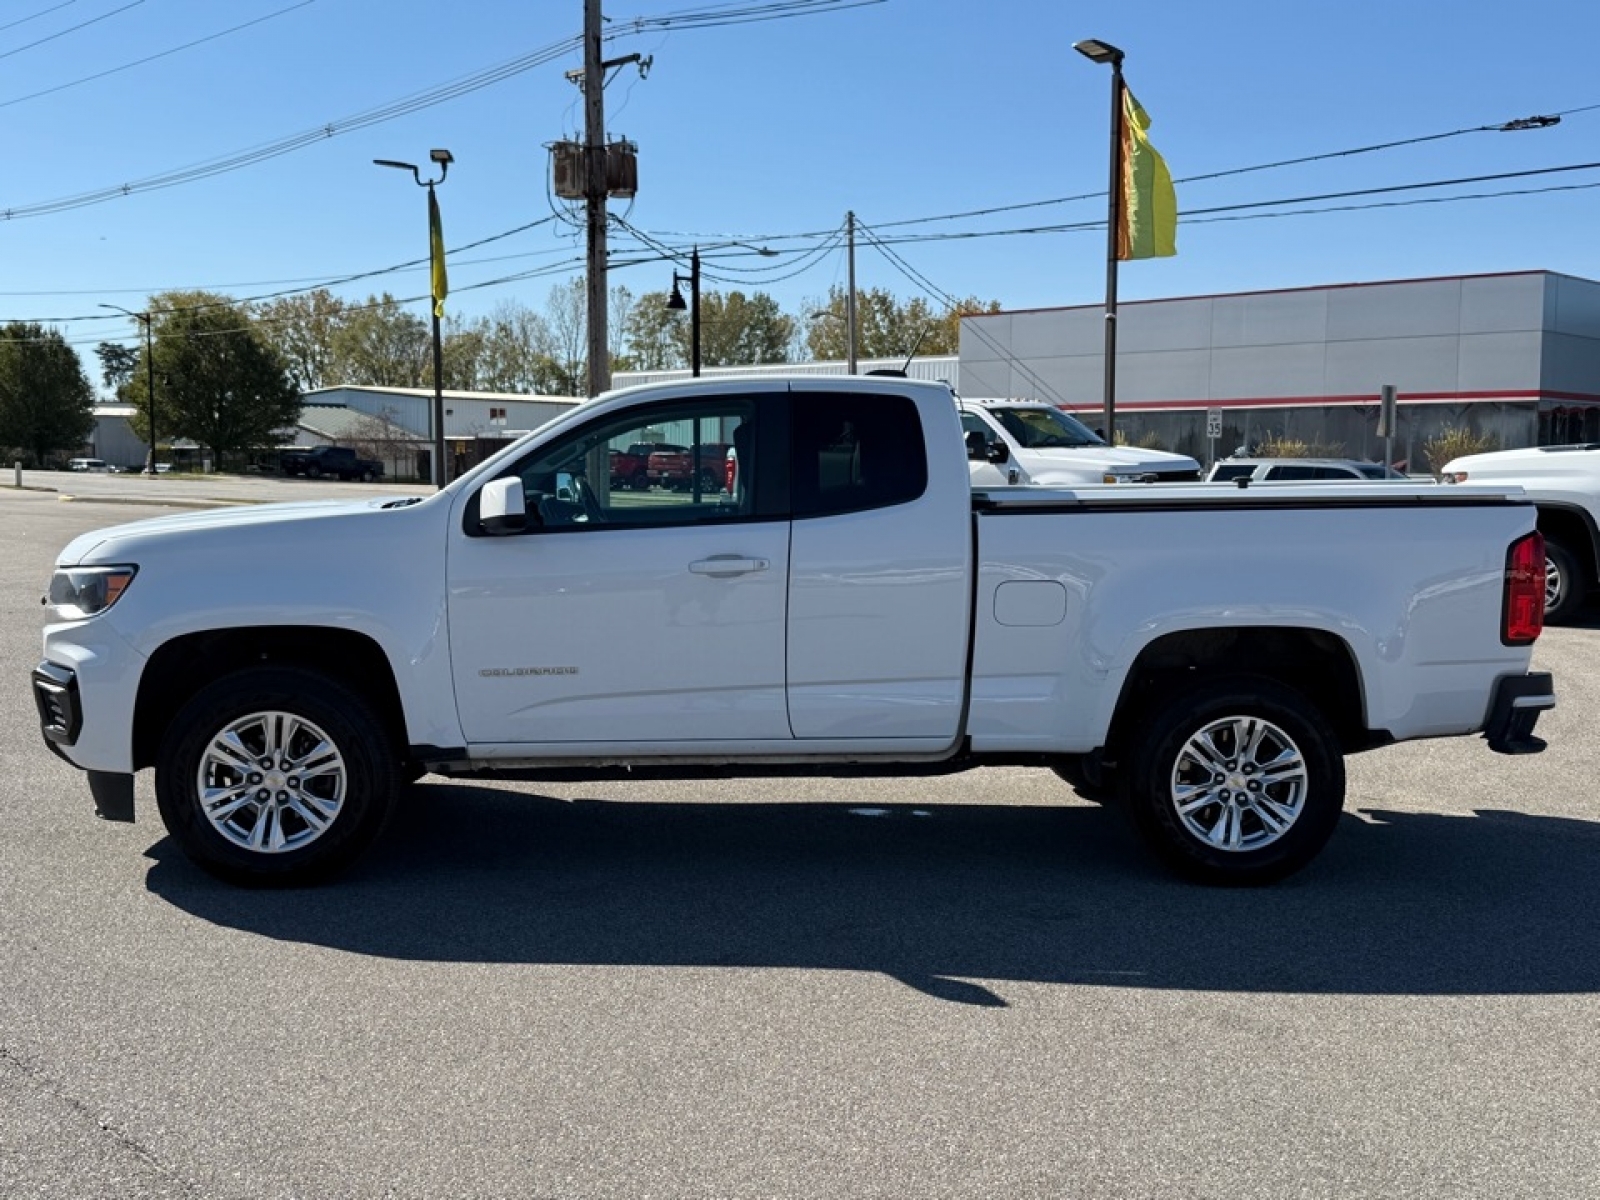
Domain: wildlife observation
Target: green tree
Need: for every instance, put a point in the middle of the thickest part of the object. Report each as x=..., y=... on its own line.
x=735, y=330
x=304, y=329
x=380, y=344
x=461, y=352
x=519, y=353
x=886, y=328
x=738, y=330
x=117, y=364
x=219, y=381
x=651, y=334
x=46, y=401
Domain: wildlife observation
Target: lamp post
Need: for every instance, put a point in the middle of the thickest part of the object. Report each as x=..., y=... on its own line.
x=436, y=274
x=675, y=302
x=1104, y=52
x=144, y=319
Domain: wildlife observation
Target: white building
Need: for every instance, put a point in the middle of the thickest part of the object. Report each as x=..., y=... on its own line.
x=1515, y=357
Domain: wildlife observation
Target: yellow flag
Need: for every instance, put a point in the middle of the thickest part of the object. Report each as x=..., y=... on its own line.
x=441, y=284
x=1149, y=225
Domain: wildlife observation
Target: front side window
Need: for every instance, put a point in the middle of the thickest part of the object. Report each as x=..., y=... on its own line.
x=671, y=465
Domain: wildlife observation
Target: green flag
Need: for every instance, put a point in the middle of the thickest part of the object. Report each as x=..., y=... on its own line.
x=441, y=283
x=1149, y=225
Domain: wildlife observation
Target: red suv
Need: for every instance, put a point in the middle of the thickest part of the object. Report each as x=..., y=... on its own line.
x=675, y=469
x=630, y=468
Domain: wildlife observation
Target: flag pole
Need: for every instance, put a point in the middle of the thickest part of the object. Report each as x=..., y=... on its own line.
x=1114, y=220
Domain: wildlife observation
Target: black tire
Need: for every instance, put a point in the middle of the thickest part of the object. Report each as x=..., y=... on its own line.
x=313, y=472
x=1275, y=825
x=1564, y=591
x=367, y=477
x=641, y=482
x=349, y=784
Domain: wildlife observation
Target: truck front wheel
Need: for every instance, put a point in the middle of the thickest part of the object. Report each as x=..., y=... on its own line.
x=275, y=776
x=1237, y=781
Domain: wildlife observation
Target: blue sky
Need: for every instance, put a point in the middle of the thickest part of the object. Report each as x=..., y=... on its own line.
x=904, y=111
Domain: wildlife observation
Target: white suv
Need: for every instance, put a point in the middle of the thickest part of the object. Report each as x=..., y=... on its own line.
x=1300, y=469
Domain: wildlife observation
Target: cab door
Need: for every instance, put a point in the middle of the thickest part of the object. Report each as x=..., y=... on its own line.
x=651, y=619
x=879, y=571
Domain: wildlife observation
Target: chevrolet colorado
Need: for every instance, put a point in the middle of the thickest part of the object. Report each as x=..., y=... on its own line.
x=851, y=605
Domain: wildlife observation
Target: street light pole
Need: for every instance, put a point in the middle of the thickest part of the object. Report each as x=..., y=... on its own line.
x=1103, y=52
x=675, y=301
x=443, y=159
x=676, y=304
x=144, y=319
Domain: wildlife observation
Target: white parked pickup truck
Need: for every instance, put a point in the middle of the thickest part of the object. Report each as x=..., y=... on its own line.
x=1564, y=483
x=1205, y=655
x=1027, y=442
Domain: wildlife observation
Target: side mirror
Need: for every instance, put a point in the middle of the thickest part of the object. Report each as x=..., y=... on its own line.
x=502, y=508
x=977, y=446
x=999, y=452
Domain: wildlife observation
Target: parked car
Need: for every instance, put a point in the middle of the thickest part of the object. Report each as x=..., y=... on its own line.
x=630, y=468
x=1301, y=469
x=88, y=464
x=341, y=462
x=675, y=469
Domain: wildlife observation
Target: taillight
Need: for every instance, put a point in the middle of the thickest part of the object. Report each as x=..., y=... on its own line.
x=1522, y=612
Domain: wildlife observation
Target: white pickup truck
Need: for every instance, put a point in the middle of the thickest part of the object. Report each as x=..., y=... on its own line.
x=1027, y=442
x=1207, y=654
x=1564, y=484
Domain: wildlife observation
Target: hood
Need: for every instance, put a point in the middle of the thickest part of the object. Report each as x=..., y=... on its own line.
x=1121, y=456
x=1090, y=462
x=274, y=523
x=1530, y=460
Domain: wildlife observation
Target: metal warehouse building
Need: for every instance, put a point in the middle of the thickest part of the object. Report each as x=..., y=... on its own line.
x=1514, y=357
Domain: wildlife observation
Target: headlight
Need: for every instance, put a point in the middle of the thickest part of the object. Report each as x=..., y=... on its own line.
x=1128, y=477
x=1453, y=477
x=78, y=592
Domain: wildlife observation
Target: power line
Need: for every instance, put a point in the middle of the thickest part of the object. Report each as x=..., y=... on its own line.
x=37, y=15
x=692, y=19
x=71, y=29
x=831, y=240
x=61, y=87
x=1521, y=123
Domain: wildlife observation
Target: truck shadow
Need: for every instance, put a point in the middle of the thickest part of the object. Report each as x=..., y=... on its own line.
x=938, y=896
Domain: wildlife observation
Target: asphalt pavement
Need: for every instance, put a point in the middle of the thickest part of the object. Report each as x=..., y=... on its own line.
x=969, y=986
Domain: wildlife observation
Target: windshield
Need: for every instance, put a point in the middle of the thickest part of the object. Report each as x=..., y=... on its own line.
x=1041, y=427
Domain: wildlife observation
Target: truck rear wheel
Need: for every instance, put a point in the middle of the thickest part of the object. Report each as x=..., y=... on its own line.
x=1237, y=781
x=1564, y=592
x=275, y=776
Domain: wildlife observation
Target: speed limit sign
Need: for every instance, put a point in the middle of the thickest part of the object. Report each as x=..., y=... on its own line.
x=1213, y=422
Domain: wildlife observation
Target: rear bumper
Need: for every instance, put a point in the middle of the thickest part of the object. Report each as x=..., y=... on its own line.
x=1513, y=710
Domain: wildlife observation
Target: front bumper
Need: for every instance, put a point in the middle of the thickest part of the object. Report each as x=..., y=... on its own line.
x=55, y=693
x=1514, y=708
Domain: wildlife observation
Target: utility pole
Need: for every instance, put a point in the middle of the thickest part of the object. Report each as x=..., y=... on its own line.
x=850, y=297
x=595, y=164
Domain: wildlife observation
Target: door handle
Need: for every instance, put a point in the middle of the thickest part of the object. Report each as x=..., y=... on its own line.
x=725, y=566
